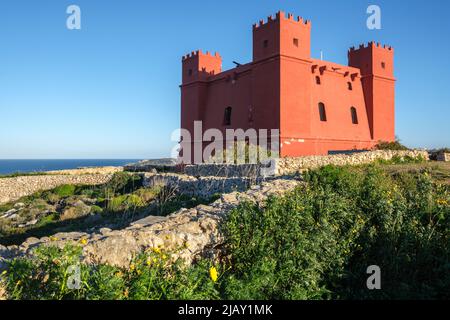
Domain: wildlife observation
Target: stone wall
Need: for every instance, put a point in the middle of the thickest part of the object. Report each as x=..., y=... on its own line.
x=14, y=188
x=443, y=156
x=196, y=231
x=292, y=165
x=203, y=187
x=223, y=170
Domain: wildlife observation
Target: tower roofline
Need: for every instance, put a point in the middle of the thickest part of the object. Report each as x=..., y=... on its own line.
x=198, y=53
x=371, y=44
x=280, y=15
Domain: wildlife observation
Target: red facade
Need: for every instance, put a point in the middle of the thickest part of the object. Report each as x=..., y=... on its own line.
x=317, y=106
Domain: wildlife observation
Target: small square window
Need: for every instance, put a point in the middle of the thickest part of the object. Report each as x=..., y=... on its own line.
x=383, y=65
x=266, y=43
x=295, y=41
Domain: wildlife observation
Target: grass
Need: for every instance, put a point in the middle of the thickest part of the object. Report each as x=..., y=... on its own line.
x=315, y=242
x=114, y=205
x=22, y=174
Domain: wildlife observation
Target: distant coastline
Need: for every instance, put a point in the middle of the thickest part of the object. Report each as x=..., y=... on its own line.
x=41, y=165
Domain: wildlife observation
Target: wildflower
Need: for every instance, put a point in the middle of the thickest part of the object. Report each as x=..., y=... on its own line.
x=132, y=267
x=119, y=274
x=84, y=241
x=156, y=250
x=52, y=238
x=149, y=262
x=213, y=274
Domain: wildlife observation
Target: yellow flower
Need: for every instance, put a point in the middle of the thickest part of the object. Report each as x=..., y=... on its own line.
x=18, y=283
x=149, y=262
x=52, y=238
x=213, y=274
x=132, y=267
x=157, y=250
x=164, y=256
x=4, y=272
x=84, y=241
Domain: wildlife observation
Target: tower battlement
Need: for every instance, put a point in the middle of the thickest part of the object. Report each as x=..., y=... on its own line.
x=280, y=15
x=197, y=53
x=371, y=44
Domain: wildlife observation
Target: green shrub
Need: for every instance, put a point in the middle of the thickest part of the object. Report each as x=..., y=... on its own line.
x=318, y=241
x=66, y=190
x=151, y=275
x=394, y=145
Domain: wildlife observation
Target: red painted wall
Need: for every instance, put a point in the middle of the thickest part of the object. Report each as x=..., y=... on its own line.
x=278, y=90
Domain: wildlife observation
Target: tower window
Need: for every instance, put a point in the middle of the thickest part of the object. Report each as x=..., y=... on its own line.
x=227, y=116
x=354, y=115
x=317, y=80
x=322, y=113
x=295, y=41
x=190, y=72
x=383, y=65
x=349, y=86
x=266, y=43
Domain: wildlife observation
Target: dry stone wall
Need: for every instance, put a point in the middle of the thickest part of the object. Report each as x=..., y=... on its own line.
x=189, y=232
x=14, y=188
x=291, y=165
x=443, y=156
x=297, y=164
x=203, y=187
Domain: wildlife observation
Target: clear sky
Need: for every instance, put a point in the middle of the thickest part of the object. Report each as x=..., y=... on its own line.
x=111, y=89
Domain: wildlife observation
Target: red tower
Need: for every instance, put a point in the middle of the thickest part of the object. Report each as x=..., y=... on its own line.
x=317, y=106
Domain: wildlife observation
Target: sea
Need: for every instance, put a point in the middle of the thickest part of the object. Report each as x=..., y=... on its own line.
x=30, y=166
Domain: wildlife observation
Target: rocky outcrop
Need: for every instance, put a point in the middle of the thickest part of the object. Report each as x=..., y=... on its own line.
x=189, y=232
x=14, y=188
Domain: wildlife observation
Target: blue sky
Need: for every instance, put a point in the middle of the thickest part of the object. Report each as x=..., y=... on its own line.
x=110, y=90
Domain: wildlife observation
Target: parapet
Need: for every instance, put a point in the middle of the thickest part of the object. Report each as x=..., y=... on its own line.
x=198, y=53
x=371, y=44
x=280, y=15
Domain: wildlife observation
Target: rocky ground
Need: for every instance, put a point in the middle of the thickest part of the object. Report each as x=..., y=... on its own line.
x=192, y=231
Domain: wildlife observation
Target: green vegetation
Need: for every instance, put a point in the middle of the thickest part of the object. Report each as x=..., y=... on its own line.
x=78, y=208
x=395, y=145
x=313, y=243
x=402, y=160
x=21, y=174
x=151, y=276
